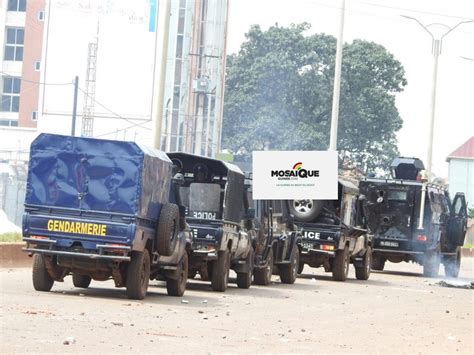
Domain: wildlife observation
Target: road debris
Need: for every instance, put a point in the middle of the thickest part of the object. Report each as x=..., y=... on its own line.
x=455, y=284
x=118, y=324
x=69, y=341
x=185, y=301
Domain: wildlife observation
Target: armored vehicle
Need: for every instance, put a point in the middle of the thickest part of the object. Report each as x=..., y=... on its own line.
x=277, y=239
x=213, y=193
x=100, y=209
x=413, y=220
x=334, y=234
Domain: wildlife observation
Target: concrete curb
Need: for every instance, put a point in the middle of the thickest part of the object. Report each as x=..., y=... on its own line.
x=11, y=255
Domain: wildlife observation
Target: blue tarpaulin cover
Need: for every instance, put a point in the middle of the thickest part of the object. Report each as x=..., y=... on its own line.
x=97, y=175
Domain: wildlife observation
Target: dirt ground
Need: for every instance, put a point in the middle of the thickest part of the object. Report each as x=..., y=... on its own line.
x=395, y=311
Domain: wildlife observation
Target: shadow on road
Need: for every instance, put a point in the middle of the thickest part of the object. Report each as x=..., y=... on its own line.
x=353, y=281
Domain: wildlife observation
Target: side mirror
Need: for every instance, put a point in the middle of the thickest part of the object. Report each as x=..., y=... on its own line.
x=250, y=213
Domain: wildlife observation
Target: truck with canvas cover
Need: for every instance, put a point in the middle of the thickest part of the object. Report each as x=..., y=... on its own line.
x=213, y=193
x=334, y=234
x=413, y=220
x=99, y=209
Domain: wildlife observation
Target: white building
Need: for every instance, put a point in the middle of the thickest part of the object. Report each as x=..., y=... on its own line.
x=461, y=171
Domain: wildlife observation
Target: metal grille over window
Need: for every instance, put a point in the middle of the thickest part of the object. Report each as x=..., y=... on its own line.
x=11, y=94
x=14, y=44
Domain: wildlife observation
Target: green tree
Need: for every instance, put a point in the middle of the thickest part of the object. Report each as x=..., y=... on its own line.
x=279, y=95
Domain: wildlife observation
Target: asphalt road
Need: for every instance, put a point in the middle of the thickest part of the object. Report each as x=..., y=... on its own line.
x=395, y=311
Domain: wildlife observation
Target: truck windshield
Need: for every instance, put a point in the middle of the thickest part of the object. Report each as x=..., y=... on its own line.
x=204, y=197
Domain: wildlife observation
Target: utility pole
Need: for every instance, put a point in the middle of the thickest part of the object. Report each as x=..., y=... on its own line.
x=74, y=106
x=436, y=44
x=89, y=94
x=337, y=82
x=164, y=14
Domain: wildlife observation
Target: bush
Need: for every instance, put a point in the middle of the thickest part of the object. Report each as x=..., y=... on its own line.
x=10, y=237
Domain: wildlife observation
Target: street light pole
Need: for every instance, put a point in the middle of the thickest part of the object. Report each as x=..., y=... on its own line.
x=436, y=49
x=337, y=82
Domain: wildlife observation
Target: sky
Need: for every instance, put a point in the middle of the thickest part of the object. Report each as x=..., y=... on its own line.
x=380, y=21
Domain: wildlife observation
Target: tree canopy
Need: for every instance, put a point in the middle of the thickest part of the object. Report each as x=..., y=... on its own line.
x=279, y=96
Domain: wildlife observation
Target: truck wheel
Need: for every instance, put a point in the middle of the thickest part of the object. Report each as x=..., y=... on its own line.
x=289, y=272
x=300, y=268
x=306, y=210
x=378, y=263
x=363, y=272
x=453, y=264
x=178, y=286
x=431, y=263
x=264, y=276
x=138, y=275
x=168, y=229
x=220, y=271
x=340, y=267
x=42, y=281
x=82, y=281
x=244, y=279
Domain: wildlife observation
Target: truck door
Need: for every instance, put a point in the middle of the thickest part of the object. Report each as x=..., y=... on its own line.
x=458, y=220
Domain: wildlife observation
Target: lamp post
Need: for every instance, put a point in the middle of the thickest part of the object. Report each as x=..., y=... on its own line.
x=437, y=43
x=337, y=82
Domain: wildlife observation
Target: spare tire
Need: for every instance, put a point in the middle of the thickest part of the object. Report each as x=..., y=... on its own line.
x=306, y=210
x=167, y=229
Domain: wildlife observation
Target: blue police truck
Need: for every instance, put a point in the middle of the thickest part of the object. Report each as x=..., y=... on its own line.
x=101, y=209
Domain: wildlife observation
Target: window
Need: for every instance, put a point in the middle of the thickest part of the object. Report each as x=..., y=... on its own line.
x=14, y=44
x=34, y=116
x=17, y=5
x=37, y=65
x=40, y=15
x=8, y=123
x=11, y=94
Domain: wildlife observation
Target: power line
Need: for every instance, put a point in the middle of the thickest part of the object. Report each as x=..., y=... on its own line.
x=125, y=129
x=417, y=11
x=32, y=81
x=108, y=109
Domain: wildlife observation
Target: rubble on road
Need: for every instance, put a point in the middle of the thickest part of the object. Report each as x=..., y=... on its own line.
x=455, y=284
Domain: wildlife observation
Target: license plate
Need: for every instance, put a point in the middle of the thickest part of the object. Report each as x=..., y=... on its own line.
x=307, y=245
x=391, y=244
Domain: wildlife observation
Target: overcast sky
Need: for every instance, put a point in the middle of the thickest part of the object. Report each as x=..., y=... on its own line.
x=380, y=21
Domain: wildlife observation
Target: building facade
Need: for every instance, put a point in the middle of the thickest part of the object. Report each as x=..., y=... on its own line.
x=21, y=34
x=461, y=171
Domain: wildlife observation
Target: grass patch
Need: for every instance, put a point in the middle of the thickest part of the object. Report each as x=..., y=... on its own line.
x=10, y=237
x=469, y=246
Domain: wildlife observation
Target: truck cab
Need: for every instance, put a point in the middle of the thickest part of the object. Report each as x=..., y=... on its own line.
x=213, y=193
x=334, y=233
x=413, y=220
x=99, y=209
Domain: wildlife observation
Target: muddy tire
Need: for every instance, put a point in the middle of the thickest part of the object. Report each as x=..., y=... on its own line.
x=178, y=286
x=264, y=276
x=220, y=271
x=306, y=210
x=431, y=263
x=378, y=263
x=138, y=275
x=81, y=281
x=453, y=264
x=244, y=279
x=340, y=267
x=42, y=281
x=289, y=272
x=363, y=271
x=168, y=229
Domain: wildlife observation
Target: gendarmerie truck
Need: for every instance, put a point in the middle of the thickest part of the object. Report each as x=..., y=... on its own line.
x=100, y=209
x=277, y=239
x=413, y=220
x=333, y=233
x=213, y=192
